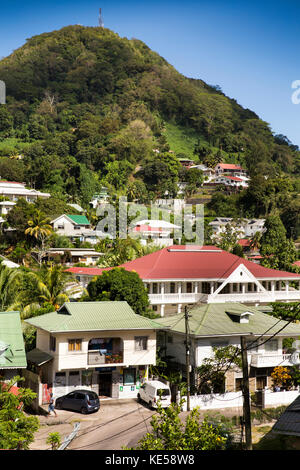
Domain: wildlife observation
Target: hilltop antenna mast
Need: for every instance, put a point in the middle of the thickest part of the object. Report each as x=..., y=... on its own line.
x=101, y=24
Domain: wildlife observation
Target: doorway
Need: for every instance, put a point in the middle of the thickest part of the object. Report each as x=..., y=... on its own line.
x=105, y=382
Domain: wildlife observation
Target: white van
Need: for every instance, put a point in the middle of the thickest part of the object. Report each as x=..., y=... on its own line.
x=152, y=391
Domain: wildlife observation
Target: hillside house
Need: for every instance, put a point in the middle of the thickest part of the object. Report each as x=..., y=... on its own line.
x=244, y=228
x=70, y=256
x=13, y=191
x=232, y=181
x=230, y=169
x=159, y=231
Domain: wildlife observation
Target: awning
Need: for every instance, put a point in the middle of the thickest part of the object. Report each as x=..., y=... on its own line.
x=38, y=357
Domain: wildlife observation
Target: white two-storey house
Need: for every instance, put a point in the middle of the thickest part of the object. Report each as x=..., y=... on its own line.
x=102, y=346
x=177, y=276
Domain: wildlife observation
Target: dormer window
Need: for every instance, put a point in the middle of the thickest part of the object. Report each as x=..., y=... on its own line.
x=239, y=317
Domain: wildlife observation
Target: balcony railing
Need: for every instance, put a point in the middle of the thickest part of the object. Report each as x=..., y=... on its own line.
x=96, y=357
x=192, y=297
x=274, y=360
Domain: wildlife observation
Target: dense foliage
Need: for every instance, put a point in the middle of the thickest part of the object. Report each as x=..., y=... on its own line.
x=169, y=432
x=86, y=107
x=16, y=428
x=122, y=285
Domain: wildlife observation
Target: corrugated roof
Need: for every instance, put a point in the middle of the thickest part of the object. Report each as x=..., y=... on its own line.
x=216, y=320
x=12, y=356
x=38, y=357
x=191, y=262
x=289, y=421
x=79, y=219
x=93, y=316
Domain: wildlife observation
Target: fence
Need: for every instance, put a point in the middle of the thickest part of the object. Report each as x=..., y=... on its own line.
x=235, y=400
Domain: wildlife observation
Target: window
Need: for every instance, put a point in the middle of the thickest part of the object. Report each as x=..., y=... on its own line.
x=75, y=344
x=238, y=384
x=141, y=343
x=60, y=378
x=189, y=287
x=154, y=288
x=129, y=376
x=172, y=287
x=271, y=346
x=205, y=288
x=52, y=343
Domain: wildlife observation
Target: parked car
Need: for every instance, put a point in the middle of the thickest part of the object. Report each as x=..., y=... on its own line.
x=154, y=390
x=84, y=401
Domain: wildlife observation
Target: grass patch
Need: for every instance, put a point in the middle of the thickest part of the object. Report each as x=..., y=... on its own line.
x=181, y=139
x=12, y=146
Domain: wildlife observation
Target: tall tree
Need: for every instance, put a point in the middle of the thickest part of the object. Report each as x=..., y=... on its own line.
x=119, y=284
x=39, y=228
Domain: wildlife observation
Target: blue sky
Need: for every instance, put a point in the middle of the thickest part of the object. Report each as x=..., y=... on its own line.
x=249, y=48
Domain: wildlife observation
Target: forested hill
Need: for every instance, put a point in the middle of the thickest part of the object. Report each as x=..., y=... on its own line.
x=86, y=107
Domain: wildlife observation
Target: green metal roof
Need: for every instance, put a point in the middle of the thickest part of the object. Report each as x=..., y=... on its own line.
x=221, y=319
x=38, y=357
x=79, y=219
x=93, y=316
x=12, y=351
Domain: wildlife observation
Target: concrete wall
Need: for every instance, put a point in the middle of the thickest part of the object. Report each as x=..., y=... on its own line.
x=235, y=400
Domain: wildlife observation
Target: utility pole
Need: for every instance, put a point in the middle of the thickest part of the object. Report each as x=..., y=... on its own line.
x=246, y=395
x=187, y=357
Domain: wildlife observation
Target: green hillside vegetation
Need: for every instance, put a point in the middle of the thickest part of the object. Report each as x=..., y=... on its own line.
x=86, y=108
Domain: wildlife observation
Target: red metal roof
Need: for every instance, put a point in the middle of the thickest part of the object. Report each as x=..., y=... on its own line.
x=230, y=166
x=235, y=178
x=244, y=242
x=190, y=262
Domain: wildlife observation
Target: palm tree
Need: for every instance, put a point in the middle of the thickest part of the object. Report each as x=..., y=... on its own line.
x=10, y=284
x=47, y=286
x=255, y=241
x=39, y=228
x=119, y=251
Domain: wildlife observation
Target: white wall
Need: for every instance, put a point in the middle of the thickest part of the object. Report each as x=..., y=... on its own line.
x=235, y=400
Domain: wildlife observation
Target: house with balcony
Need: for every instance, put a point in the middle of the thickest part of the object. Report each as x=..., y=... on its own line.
x=244, y=228
x=230, y=169
x=182, y=275
x=101, y=346
x=77, y=227
x=232, y=181
x=71, y=256
x=13, y=191
x=220, y=325
x=159, y=232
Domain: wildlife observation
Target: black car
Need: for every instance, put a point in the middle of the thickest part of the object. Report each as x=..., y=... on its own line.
x=84, y=401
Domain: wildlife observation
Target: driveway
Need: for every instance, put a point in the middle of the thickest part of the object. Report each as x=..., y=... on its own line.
x=117, y=424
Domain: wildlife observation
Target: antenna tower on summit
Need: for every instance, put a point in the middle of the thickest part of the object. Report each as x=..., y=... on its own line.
x=101, y=24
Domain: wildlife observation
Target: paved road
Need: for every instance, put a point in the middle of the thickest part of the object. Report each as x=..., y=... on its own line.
x=118, y=425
